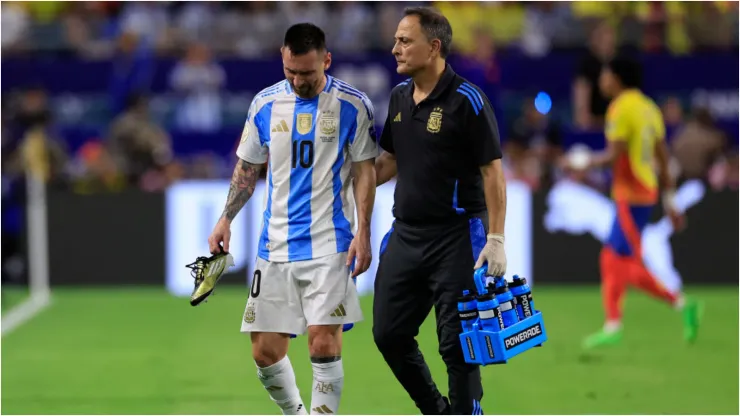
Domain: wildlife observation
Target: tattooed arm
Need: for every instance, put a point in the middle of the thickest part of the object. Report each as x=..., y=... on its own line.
x=243, y=181
x=241, y=189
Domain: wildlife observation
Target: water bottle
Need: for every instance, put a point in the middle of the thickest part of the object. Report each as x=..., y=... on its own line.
x=489, y=313
x=507, y=303
x=467, y=310
x=523, y=294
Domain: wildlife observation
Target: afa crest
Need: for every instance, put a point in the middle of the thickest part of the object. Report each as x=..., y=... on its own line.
x=328, y=124
x=434, y=124
x=250, y=314
x=304, y=123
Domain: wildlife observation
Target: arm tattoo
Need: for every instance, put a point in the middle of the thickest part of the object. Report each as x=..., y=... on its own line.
x=242, y=186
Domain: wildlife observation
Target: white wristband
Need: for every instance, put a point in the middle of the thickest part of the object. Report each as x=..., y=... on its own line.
x=497, y=237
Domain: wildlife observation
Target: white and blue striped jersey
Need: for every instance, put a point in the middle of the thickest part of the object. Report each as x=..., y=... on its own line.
x=309, y=209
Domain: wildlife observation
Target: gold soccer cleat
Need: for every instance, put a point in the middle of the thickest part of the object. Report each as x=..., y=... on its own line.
x=207, y=271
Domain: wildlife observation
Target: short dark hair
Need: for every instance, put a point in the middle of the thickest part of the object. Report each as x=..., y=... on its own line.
x=303, y=38
x=435, y=26
x=627, y=70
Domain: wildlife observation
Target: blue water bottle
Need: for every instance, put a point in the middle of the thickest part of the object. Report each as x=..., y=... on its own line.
x=467, y=309
x=523, y=295
x=507, y=303
x=489, y=313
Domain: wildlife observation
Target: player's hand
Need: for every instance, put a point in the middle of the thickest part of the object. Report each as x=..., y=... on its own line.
x=671, y=211
x=221, y=234
x=493, y=254
x=678, y=220
x=359, y=252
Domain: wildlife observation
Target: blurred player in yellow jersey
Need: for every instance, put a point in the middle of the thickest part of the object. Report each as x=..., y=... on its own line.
x=635, y=135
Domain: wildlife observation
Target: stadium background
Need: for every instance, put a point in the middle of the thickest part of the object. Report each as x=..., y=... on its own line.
x=130, y=112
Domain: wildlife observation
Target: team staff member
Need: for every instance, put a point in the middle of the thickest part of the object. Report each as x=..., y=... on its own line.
x=441, y=141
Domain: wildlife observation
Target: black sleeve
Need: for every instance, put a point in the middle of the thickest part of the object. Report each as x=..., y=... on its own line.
x=483, y=131
x=386, y=139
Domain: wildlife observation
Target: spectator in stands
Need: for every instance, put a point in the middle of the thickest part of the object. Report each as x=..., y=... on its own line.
x=133, y=68
x=697, y=146
x=533, y=146
x=99, y=172
x=140, y=145
x=15, y=26
x=353, y=32
x=589, y=103
x=198, y=81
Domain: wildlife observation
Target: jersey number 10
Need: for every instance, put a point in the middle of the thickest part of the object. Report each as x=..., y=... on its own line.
x=302, y=154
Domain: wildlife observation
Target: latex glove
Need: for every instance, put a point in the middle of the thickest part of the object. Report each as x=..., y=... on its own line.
x=493, y=254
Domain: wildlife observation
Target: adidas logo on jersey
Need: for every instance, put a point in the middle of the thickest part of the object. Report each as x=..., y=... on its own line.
x=339, y=311
x=323, y=409
x=398, y=118
x=281, y=127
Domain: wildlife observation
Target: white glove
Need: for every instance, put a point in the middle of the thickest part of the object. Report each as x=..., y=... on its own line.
x=493, y=254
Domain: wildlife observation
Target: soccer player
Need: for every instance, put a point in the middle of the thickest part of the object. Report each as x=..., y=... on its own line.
x=319, y=134
x=441, y=141
x=635, y=136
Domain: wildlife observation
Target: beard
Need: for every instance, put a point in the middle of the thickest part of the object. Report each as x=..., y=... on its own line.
x=306, y=90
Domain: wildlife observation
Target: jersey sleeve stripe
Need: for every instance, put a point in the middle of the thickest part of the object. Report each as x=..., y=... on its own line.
x=329, y=82
x=347, y=86
x=471, y=99
x=275, y=89
x=356, y=95
x=474, y=92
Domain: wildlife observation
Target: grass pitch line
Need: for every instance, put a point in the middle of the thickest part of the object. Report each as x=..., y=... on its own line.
x=24, y=312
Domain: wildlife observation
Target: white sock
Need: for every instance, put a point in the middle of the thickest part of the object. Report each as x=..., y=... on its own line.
x=279, y=381
x=328, y=380
x=680, y=302
x=612, y=326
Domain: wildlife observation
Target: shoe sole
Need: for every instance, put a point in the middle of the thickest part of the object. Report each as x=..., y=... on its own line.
x=201, y=298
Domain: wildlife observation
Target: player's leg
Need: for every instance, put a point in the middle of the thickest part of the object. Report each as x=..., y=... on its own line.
x=273, y=311
x=615, y=268
x=633, y=220
x=401, y=302
x=453, y=255
x=325, y=350
x=330, y=300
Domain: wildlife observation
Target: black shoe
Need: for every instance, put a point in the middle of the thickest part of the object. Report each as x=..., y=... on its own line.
x=448, y=408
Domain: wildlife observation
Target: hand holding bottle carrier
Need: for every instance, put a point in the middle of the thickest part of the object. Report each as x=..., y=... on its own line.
x=500, y=321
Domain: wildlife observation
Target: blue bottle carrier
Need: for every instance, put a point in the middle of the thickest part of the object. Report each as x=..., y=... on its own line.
x=486, y=347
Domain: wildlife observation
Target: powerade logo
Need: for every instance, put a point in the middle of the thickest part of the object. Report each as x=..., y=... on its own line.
x=523, y=336
x=524, y=300
x=466, y=316
x=471, y=351
x=489, y=347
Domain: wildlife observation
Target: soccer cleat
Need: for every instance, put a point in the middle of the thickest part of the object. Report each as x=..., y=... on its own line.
x=602, y=338
x=692, y=312
x=207, y=271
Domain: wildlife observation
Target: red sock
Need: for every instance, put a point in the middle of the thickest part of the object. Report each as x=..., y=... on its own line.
x=613, y=283
x=641, y=277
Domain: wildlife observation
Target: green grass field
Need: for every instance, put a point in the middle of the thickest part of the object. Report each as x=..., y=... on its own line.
x=141, y=351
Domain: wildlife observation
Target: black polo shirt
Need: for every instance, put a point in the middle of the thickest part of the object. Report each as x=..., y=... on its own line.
x=440, y=145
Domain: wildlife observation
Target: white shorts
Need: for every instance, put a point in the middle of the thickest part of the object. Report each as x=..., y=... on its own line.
x=288, y=297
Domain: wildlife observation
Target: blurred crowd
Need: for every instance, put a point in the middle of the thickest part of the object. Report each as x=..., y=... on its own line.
x=93, y=29
x=137, y=151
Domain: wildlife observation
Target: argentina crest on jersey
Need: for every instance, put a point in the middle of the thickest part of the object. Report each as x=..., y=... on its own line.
x=328, y=122
x=304, y=123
